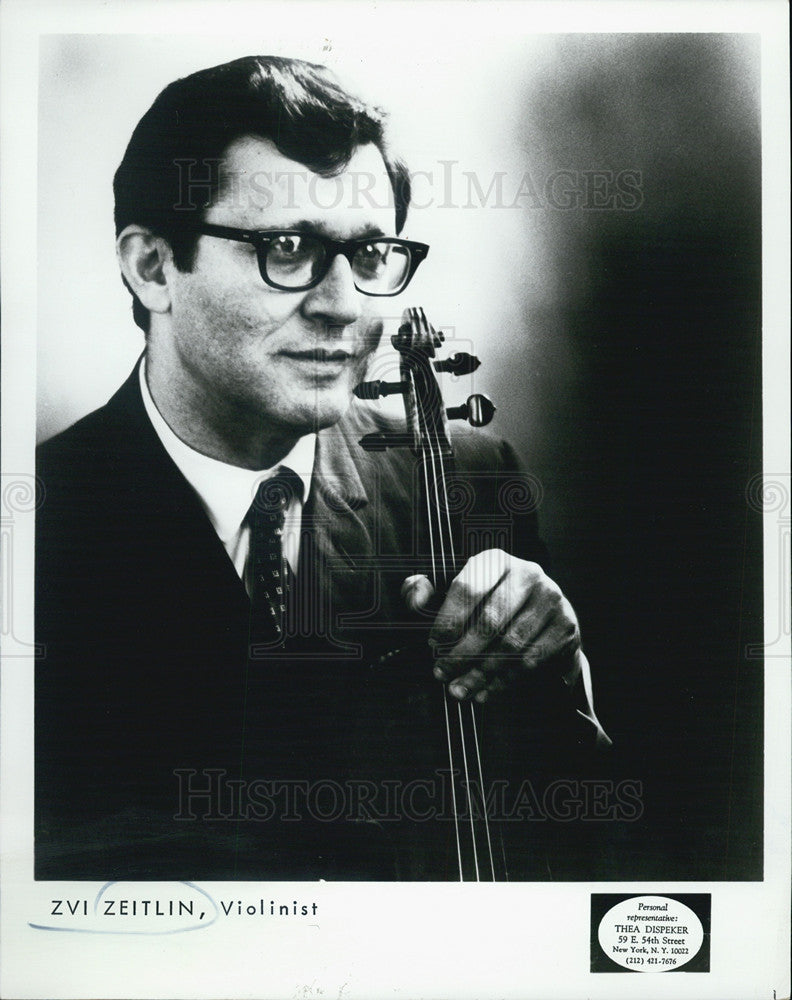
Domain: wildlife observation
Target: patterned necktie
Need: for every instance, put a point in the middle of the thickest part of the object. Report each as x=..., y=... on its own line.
x=269, y=573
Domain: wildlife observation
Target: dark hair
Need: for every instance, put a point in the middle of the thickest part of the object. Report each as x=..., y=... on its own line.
x=299, y=106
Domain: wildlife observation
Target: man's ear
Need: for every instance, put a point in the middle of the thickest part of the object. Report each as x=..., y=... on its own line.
x=143, y=259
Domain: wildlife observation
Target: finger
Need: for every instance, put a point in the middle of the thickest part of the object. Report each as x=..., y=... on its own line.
x=557, y=643
x=481, y=686
x=554, y=641
x=521, y=632
x=495, y=686
x=417, y=592
x=483, y=628
x=510, y=599
x=479, y=577
x=473, y=682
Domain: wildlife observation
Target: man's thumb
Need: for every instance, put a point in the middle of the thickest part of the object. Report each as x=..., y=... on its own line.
x=417, y=592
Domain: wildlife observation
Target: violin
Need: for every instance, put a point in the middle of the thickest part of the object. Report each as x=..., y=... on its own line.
x=479, y=851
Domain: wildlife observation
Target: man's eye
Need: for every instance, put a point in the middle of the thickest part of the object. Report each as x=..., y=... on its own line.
x=371, y=256
x=371, y=251
x=288, y=247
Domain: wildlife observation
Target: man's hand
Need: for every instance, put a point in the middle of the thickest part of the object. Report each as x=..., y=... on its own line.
x=501, y=616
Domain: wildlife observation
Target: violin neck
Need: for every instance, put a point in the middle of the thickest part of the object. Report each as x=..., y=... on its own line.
x=442, y=536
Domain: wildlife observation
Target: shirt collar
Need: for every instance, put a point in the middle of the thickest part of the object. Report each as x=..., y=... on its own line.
x=226, y=491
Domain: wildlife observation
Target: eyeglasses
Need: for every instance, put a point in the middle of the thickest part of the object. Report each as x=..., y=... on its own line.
x=295, y=261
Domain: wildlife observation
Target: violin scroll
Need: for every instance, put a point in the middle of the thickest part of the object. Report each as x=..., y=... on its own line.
x=416, y=341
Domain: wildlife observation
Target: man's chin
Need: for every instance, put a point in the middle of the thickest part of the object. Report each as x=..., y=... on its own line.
x=321, y=411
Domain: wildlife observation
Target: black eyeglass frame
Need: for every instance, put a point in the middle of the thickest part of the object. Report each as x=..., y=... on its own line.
x=261, y=239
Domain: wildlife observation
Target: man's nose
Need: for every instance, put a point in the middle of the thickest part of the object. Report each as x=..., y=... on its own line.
x=335, y=299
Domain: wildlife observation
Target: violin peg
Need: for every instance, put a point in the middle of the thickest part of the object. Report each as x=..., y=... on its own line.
x=458, y=364
x=379, y=441
x=373, y=390
x=373, y=442
x=478, y=410
x=481, y=409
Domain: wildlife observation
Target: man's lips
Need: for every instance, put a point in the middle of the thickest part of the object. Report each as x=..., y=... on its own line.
x=319, y=354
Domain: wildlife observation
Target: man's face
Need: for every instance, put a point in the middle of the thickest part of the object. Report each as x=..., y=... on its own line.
x=242, y=350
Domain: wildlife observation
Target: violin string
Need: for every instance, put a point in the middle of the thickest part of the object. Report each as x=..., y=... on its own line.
x=483, y=800
x=437, y=460
x=453, y=787
x=470, y=803
x=426, y=485
x=503, y=856
x=439, y=480
x=435, y=581
x=445, y=507
x=429, y=444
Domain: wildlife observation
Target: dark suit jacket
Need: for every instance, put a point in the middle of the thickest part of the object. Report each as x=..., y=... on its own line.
x=148, y=706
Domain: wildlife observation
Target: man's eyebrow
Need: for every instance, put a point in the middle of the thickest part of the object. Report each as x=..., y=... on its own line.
x=320, y=227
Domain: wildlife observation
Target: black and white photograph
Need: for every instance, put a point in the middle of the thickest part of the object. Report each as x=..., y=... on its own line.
x=396, y=500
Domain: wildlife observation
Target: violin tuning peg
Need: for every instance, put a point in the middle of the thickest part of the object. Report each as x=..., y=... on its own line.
x=458, y=364
x=373, y=442
x=478, y=410
x=481, y=409
x=373, y=390
x=379, y=441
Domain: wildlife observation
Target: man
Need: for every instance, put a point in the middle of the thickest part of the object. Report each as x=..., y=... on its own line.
x=218, y=697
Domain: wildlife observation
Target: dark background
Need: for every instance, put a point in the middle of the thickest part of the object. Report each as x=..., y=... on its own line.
x=644, y=373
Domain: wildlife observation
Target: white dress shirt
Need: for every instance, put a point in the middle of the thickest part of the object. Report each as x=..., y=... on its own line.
x=227, y=491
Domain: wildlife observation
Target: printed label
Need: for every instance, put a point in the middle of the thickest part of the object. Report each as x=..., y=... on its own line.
x=649, y=933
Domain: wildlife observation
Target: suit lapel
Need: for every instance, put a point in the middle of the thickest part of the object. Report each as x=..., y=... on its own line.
x=337, y=547
x=171, y=518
